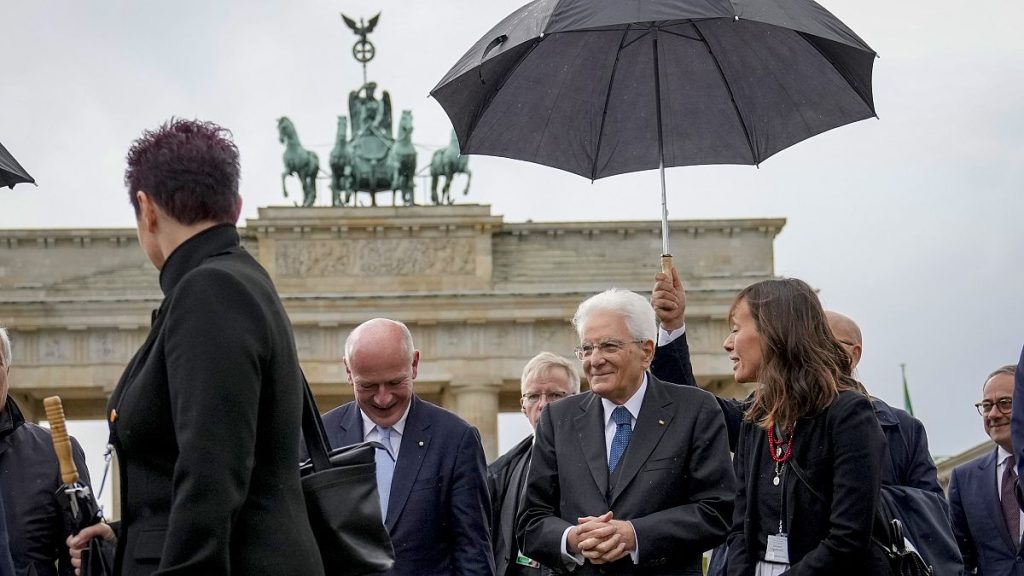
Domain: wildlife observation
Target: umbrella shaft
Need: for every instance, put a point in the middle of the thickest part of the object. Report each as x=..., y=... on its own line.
x=664, y=212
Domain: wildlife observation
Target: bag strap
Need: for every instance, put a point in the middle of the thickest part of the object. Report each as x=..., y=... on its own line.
x=313, y=432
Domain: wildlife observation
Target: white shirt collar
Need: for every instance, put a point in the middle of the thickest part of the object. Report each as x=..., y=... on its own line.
x=370, y=425
x=1001, y=456
x=633, y=404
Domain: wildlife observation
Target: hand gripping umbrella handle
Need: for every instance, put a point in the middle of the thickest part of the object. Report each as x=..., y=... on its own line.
x=666, y=264
x=61, y=441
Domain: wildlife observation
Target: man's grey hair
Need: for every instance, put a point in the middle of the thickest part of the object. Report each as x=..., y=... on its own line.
x=635, y=309
x=542, y=364
x=377, y=324
x=1010, y=369
x=5, y=348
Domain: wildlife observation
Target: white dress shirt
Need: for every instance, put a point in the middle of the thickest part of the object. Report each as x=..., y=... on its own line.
x=665, y=337
x=371, y=434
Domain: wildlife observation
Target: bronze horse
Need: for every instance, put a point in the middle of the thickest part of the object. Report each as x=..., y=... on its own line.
x=298, y=161
x=341, y=166
x=448, y=162
x=402, y=161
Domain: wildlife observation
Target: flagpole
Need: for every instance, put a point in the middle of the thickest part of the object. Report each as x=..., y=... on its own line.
x=907, y=405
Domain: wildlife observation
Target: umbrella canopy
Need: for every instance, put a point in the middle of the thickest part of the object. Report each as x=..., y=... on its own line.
x=605, y=87
x=11, y=172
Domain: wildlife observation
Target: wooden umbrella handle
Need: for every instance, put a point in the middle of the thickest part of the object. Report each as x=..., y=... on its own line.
x=666, y=264
x=61, y=441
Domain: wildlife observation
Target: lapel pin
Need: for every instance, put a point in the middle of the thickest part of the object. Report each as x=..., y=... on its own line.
x=113, y=416
x=661, y=422
x=421, y=443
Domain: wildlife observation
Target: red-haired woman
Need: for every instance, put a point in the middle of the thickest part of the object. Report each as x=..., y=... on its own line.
x=206, y=416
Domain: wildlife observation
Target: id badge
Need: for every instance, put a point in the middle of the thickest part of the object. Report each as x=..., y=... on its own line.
x=524, y=561
x=777, y=549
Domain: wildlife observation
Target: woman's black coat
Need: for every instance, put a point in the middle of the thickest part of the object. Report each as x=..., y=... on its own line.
x=831, y=493
x=206, y=422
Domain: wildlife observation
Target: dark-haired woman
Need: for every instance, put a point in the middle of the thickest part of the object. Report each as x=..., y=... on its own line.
x=207, y=414
x=808, y=461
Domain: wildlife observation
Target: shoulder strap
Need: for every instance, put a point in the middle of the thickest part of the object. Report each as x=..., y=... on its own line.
x=313, y=432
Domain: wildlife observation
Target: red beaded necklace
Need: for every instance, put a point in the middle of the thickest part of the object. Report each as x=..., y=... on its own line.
x=775, y=448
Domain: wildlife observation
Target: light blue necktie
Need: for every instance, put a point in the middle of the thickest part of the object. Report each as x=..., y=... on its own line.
x=385, y=469
x=623, y=432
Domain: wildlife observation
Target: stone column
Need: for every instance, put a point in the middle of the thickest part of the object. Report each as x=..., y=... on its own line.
x=476, y=401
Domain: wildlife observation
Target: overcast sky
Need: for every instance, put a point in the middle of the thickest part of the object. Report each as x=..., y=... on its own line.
x=909, y=223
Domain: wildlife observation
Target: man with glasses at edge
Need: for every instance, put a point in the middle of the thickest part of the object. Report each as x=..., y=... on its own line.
x=987, y=520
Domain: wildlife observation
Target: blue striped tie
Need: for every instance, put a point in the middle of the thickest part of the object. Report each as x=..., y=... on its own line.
x=623, y=432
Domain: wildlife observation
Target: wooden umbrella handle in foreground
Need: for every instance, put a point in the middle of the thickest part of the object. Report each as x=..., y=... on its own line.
x=61, y=442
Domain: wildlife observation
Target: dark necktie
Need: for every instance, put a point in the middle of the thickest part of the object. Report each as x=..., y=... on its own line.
x=1008, y=498
x=623, y=432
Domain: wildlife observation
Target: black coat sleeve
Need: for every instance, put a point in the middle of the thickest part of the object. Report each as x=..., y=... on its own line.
x=857, y=449
x=216, y=333
x=740, y=563
x=672, y=364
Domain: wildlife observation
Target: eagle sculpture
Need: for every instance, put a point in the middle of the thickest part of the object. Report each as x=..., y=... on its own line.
x=361, y=29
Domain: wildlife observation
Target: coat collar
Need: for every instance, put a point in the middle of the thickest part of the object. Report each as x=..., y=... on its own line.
x=191, y=253
x=885, y=414
x=11, y=418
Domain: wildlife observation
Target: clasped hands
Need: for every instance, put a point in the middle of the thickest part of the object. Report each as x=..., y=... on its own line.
x=602, y=539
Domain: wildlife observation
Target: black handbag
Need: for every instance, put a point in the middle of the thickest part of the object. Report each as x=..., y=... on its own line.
x=903, y=561
x=340, y=489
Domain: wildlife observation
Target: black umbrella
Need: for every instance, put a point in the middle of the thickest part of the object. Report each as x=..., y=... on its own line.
x=79, y=506
x=605, y=87
x=11, y=172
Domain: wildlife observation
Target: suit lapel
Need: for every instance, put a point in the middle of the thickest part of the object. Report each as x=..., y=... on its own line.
x=349, y=430
x=655, y=417
x=589, y=424
x=990, y=496
x=415, y=443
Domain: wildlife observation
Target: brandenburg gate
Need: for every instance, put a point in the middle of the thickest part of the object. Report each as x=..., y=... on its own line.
x=481, y=296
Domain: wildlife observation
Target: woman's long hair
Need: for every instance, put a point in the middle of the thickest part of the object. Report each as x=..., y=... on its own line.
x=803, y=366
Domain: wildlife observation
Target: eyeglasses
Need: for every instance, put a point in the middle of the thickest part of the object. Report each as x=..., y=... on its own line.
x=607, y=347
x=534, y=397
x=1004, y=404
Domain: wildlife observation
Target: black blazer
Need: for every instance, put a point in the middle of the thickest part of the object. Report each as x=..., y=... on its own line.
x=675, y=484
x=831, y=493
x=439, y=510
x=206, y=422
x=29, y=479
x=506, y=477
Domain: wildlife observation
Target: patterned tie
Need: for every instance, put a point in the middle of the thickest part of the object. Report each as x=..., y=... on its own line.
x=1008, y=499
x=623, y=432
x=385, y=469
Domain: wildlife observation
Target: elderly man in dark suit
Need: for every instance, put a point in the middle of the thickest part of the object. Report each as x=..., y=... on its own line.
x=547, y=377
x=29, y=479
x=431, y=472
x=987, y=519
x=633, y=476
